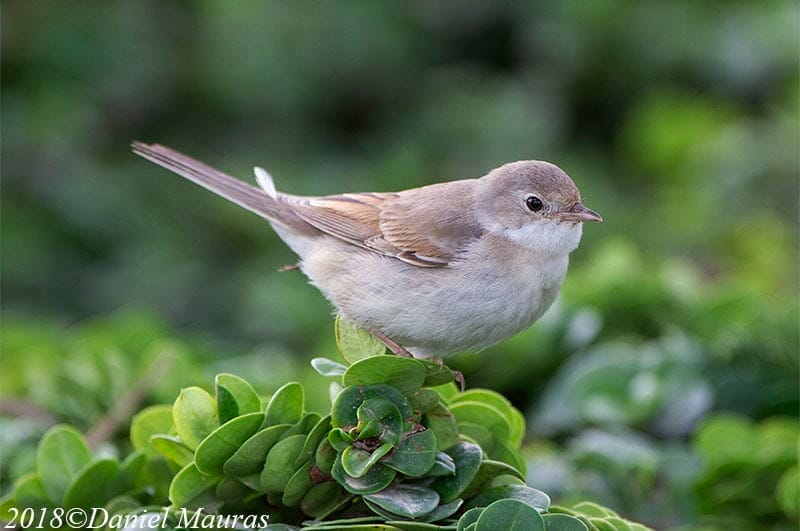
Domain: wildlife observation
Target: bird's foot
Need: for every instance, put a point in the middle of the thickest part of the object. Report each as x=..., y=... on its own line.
x=459, y=377
x=290, y=267
x=391, y=344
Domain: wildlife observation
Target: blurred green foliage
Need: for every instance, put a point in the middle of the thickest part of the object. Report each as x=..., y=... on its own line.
x=677, y=120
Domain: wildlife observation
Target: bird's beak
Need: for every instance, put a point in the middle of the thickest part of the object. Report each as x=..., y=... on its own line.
x=580, y=213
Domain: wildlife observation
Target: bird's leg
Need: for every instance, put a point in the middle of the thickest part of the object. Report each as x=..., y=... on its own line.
x=391, y=344
x=290, y=267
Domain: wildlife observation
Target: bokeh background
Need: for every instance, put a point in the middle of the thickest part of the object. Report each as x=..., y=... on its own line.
x=664, y=382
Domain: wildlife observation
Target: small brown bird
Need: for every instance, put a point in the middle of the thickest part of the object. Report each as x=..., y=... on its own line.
x=450, y=267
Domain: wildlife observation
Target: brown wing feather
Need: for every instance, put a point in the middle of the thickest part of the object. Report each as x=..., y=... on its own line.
x=402, y=225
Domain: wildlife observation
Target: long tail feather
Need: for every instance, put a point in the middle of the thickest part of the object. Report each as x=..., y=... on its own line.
x=233, y=189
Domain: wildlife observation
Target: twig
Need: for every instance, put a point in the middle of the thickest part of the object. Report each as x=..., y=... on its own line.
x=126, y=406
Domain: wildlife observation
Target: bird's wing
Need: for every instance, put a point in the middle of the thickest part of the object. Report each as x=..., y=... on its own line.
x=414, y=226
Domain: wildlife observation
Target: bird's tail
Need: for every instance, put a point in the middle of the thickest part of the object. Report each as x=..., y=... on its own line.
x=265, y=202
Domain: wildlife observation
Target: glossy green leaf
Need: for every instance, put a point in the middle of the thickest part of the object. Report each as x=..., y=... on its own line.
x=339, y=439
x=62, y=453
x=357, y=462
x=304, y=425
x=490, y=469
x=172, y=449
x=231, y=490
x=509, y=515
x=423, y=400
x=469, y=518
x=298, y=485
x=443, y=511
x=325, y=456
x=563, y=522
x=148, y=422
x=129, y=471
x=28, y=491
x=535, y=498
x=344, y=411
x=324, y=499
x=190, y=487
x=279, y=466
x=378, y=478
x=507, y=454
x=356, y=343
x=788, y=492
x=384, y=416
x=89, y=486
x=436, y=373
x=404, y=374
x=286, y=405
x=251, y=455
x=314, y=437
x=467, y=458
x=410, y=501
x=222, y=443
x=415, y=455
x=443, y=465
x=235, y=396
x=327, y=367
x=443, y=424
x=194, y=415
x=483, y=415
x=479, y=434
x=514, y=417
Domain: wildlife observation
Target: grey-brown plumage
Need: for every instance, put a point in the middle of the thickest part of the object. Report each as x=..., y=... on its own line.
x=443, y=268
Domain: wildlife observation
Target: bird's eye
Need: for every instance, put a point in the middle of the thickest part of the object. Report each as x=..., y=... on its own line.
x=533, y=203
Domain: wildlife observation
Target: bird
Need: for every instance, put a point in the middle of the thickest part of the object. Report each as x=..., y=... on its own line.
x=456, y=266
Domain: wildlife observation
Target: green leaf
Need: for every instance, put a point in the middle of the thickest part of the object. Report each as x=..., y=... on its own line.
x=357, y=462
x=384, y=416
x=172, y=449
x=324, y=499
x=250, y=456
x=286, y=405
x=788, y=492
x=507, y=454
x=148, y=422
x=298, y=486
x=356, y=343
x=479, y=434
x=344, y=411
x=444, y=511
x=231, y=490
x=509, y=515
x=235, y=396
x=494, y=399
x=410, y=501
x=490, y=469
x=279, y=465
x=415, y=456
x=315, y=436
x=194, y=415
x=327, y=367
x=378, y=478
x=28, y=491
x=443, y=425
x=190, y=487
x=404, y=374
x=483, y=415
x=423, y=400
x=443, y=465
x=62, y=453
x=304, y=425
x=467, y=458
x=562, y=522
x=89, y=487
x=436, y=373
x=325, y=456
x=339, y=439
x=222, y=443
x=129, y=471
x=469, y=518
x=535, y=498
